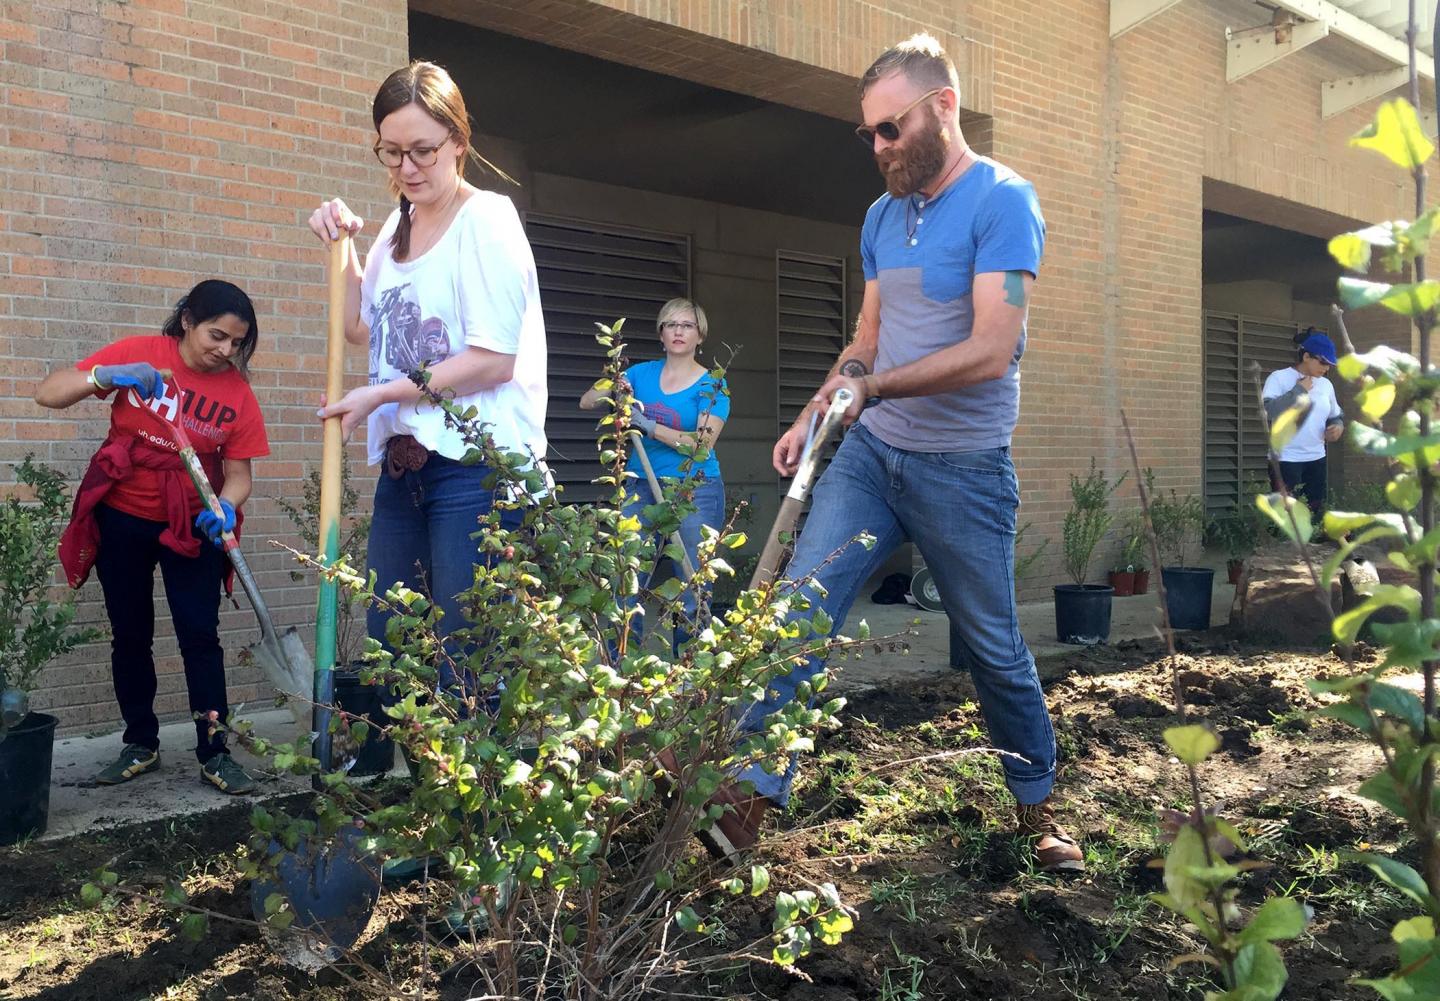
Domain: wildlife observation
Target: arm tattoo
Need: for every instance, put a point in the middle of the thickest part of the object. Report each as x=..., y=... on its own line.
x=854, y=368
x=1015, y=288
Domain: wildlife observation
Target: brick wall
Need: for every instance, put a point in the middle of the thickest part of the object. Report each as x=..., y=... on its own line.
x=150, y=144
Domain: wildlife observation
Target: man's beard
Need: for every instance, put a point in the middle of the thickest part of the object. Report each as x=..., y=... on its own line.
x=919, y=160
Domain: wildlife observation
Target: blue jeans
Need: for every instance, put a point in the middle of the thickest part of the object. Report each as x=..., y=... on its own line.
x=709, y=501
x=420, y=536
x=959, y=510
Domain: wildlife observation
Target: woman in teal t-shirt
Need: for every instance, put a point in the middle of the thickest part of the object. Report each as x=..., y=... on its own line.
x=683, y=405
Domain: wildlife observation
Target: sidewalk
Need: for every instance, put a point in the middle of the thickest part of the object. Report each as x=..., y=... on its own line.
x=77, y=805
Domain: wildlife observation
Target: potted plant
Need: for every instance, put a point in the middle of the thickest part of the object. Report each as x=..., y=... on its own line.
x=1082, y=611
x=376, y=754
x=1178, y=520
x=1238, y=533
x=34, y=629
x=1127, y=566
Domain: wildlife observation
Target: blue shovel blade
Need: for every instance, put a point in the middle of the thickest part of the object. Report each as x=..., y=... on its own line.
x=332, y=889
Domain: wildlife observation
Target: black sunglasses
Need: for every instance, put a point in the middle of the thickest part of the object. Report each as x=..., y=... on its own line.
x=889, y=128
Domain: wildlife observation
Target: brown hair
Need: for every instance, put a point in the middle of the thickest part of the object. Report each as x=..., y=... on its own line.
x=920, y=58
x=429, y=86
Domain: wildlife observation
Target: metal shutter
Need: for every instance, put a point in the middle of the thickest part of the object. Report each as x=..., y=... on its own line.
x=1235, y=445
x=810, y=320
x=593, y=273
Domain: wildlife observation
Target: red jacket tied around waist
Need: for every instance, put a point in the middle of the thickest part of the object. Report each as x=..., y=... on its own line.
x=116, y=460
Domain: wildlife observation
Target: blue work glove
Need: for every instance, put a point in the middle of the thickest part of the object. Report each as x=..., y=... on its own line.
x=215, y=526
x=640, y=422
x=140, y=376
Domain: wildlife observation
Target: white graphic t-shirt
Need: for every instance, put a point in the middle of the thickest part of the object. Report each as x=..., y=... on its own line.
x=476, y=287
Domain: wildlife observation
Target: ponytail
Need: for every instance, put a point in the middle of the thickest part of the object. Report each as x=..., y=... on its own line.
x=400, y=239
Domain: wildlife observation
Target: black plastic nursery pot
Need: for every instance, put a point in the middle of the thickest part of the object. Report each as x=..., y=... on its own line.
x=377, y=755
x=1187, y=596
x=1082, y=613
x=25, y=756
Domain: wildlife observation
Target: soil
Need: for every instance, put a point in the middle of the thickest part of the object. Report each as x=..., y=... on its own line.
x=910, y=824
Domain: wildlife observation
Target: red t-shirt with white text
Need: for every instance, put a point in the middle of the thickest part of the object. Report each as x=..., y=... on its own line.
x=217, y=410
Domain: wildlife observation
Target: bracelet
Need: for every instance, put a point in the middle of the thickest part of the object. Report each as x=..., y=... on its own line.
x=92, y=379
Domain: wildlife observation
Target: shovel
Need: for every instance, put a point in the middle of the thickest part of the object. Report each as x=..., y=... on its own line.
x=800, y=486
x=282, y=657
x=332, y=886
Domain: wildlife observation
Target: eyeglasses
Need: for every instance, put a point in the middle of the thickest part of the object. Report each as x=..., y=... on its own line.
x=682, y=325
x=420, y=156
x=889, y=128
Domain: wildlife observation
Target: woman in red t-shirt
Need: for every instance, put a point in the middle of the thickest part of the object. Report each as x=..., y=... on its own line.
x=137, y=508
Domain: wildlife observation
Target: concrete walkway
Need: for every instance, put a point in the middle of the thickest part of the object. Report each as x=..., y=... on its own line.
x=78, y=805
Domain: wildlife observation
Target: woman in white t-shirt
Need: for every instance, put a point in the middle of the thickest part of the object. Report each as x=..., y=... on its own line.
x=1302, y=460
x=450, y=284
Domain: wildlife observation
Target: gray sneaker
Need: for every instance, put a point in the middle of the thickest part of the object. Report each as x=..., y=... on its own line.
x=224, y=774
x=134, y=760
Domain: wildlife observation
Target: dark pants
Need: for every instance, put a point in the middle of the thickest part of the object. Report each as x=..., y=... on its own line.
x=1306, y=480
x=129, y=550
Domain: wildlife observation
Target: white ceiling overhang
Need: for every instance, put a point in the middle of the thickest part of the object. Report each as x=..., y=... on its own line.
x=1375, y=26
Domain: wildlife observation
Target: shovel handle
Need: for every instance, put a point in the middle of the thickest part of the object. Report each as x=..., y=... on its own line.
x=659, y=497
x=800, y=486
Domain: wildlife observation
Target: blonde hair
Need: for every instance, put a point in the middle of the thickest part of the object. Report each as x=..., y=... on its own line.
x=921, y=58
x=674, y=306
x=431, y=88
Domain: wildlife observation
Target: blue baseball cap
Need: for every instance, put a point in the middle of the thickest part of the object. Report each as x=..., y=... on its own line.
x=1320, y=346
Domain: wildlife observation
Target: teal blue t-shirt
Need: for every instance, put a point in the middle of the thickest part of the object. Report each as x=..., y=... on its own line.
x=681, y=411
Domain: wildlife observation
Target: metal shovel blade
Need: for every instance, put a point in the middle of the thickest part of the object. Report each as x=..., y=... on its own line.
x=289, y=667
x=332, y=891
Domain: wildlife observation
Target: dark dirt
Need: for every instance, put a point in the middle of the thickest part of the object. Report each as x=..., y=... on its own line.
x=915, y=834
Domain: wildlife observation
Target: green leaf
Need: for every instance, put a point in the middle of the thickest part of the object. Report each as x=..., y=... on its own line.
x=787, y=909
x=91, y=895
x=1259, y=968
x=1284, y=426
x=1406, y=298
x=1347, y=625
x=1281, y=509
x=1421, y=928
x=1347, y=712
x=1408, y=644
x=1376, y=399
x=518, y=772
x=1384, y=359
x=832, y=925
x=1277, y=918
x=194, y=926
x=1399, y=703
x=1400, y=876
x=733, y=885
x=1381, y=788
x=1352, y=250
x=1396, y=134
x=1186, y=854
x=759, y=880
x=1192, y=744
x=1403, y=492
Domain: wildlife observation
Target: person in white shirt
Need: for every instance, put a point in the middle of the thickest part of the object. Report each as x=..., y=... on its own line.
x=449, y=284
x=1302, y=460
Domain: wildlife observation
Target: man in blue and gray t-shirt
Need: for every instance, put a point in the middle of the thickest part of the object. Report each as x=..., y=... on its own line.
x=950, y=253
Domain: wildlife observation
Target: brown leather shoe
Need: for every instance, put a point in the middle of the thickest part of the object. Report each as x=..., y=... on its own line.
x=738, y=828
x=1055, y=849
